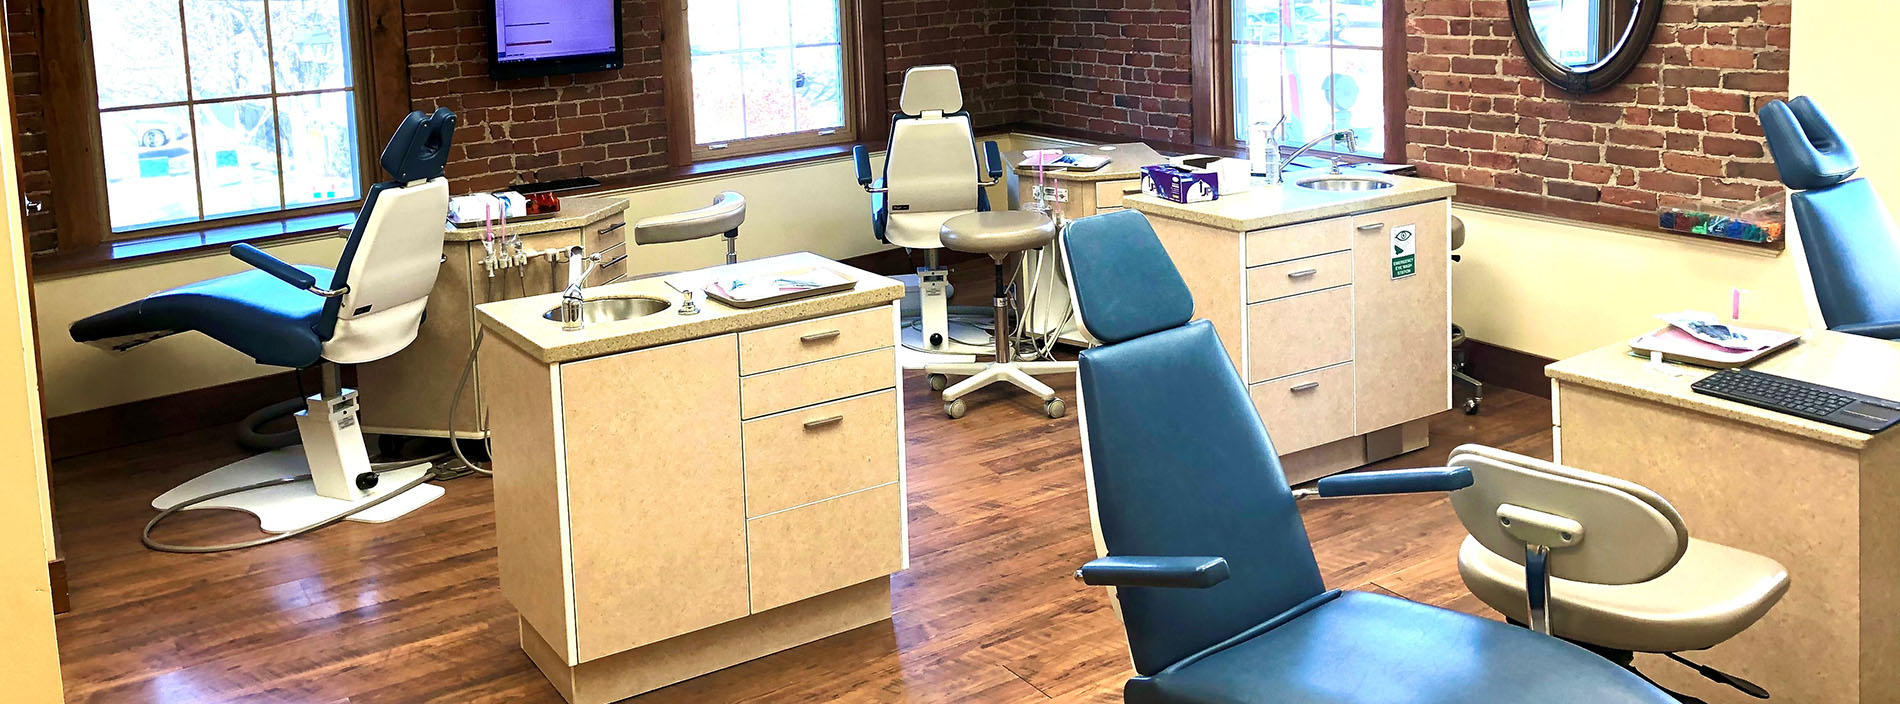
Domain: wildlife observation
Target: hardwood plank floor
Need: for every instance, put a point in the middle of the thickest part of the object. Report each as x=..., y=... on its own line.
x=410, y=611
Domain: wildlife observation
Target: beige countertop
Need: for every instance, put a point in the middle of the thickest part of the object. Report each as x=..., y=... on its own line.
x=575, y=212
x=518, y=321
x=1124, y=162
x=1262, y=207
x=1859, y=364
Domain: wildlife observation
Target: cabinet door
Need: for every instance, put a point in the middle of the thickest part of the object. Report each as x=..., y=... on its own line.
x=655, y=493
x=1401, y=315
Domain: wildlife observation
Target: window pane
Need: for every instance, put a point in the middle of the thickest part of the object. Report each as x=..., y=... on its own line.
x=148, y=156
x=1359, y=22
x=768, y=91
x=819, y=87
x=1358, y=97
x=713, y=25
x=1317, y=62
x=814, y=22
x=718, y=107
x=309, y=44
x=138, y=52
x=237, y=157
x=765, y=24
x=319, y=146
x=227, y=48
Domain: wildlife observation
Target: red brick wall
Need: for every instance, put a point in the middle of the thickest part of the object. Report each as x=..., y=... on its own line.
x=36, y=183
x=1678, y=128
x=1117, y=67
x=976, y=36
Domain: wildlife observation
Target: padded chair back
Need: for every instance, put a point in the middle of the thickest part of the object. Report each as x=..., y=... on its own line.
x=1178, y=462
x=1629, y=535
x=395, y=249
x=930, y=168
x=1847, y=233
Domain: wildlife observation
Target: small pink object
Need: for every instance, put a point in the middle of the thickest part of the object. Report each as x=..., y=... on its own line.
x=1735, y=304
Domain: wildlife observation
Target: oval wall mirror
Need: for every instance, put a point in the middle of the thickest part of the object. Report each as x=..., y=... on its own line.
x=1584, y=46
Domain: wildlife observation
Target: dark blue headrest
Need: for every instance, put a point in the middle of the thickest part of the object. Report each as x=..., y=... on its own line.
x=1124, y=282
x=1807, y=151
x=420, y=146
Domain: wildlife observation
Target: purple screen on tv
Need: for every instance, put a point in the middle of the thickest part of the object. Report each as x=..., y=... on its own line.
x=550, y=29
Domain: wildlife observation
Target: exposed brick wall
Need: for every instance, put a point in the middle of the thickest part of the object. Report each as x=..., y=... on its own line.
x=976, y=36
x=1117, y=67
x=1679, y=128
x=36, y=182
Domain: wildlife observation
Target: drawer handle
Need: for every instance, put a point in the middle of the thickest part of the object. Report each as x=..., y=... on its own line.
x=1301, y=274
x=819, y=336
x=822, y=422
x=1371, y=227
x=1127, y=190
x=611, y=228
x=1308, y=386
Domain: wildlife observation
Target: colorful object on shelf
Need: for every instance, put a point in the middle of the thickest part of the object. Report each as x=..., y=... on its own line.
x=1760, y=221
x=1179, y=184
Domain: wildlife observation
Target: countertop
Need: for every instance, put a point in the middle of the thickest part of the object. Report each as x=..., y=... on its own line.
x=1834, y=359
x=1286, y=204
x=1124, y=162
x=519, y=320
x=575, y=212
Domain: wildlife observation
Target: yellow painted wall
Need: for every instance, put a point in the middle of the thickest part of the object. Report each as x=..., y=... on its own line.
x=1840, y=46
x=814, y=206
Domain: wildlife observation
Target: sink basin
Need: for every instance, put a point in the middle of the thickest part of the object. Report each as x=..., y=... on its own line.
x=1343, y=183
x=607, y=310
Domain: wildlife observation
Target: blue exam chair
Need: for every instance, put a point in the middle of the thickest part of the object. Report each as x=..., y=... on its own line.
x=369, y=307
x=1219, y=591
x=1848, y=235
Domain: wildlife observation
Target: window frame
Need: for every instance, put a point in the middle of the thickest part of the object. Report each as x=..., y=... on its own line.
x=859, y=49
x=1211, y=52
x=379, y=84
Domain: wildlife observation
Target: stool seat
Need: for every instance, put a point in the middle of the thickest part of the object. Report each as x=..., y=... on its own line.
x=998, y=232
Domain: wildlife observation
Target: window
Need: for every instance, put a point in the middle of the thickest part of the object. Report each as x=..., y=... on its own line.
x=765, y=75
x=213, y=109
x=1319, y=63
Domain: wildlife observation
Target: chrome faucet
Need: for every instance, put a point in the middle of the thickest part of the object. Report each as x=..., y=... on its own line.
x=581, y=265
x=1352, y=144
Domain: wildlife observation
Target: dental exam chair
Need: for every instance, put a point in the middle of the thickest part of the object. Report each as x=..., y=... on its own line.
x=1847, y=233
x=930, y=175
x=1219, y=591
x=295, y=316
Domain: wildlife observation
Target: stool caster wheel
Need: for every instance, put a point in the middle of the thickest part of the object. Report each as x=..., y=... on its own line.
x=955, y=409
x=1471, y=406
x=938, y=382
x=1055, y=408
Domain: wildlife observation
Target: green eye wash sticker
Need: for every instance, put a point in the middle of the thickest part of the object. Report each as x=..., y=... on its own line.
x=1404, y=251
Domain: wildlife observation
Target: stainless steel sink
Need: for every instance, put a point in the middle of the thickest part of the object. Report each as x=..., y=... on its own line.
x=1343, y=183
x=607, y=310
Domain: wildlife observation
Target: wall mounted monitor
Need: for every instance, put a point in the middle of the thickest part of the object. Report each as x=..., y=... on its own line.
x=547, y=37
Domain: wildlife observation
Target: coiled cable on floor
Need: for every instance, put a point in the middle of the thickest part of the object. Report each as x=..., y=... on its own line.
x=250, y=438
x=455, y=446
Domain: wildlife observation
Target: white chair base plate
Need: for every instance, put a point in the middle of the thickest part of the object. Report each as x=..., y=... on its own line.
x=964, y=339
x=288, y=507
x=916, y=359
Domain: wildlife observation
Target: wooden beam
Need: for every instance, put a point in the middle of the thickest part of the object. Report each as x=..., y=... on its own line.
x=72, y=126
x=388, y=59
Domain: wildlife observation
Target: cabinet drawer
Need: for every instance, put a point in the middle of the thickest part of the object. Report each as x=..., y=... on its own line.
x=818, y=382
x=1109, y=194
x=1299, y=333
x=1303, y=240
x=601, y=235
x=828, y=545
x=1306, y=410
x=1298, y=276
x=813, y=340
x=815, y=453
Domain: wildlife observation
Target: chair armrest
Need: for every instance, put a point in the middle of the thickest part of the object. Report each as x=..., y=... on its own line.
x=275, y=267
x=1397, y=481
x=995, y=156
x=862, y=159
x=1175, y=572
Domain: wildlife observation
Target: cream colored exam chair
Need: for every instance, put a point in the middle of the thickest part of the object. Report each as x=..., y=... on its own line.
x=1609, y=564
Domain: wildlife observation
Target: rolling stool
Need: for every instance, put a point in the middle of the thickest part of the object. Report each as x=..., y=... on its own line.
x=998, y=234
x=1460, y=362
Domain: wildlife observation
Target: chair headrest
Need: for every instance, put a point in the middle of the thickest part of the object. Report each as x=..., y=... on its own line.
x=1124, y=282
x=420, y=146
x=1808, y=152
x=930, y=88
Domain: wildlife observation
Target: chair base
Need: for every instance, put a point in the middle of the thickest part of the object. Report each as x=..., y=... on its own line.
x=956, y=342
x=287, y=507
x=1021, y=374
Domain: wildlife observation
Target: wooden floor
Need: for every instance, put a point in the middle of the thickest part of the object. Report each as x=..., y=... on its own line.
x=409, y=611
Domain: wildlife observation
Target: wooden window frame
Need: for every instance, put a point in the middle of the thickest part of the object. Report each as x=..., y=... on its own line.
x=379, y=87
x=862, y=51
x=1211, y=54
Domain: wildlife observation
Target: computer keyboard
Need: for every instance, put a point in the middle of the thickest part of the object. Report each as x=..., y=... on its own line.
x=1826, y=404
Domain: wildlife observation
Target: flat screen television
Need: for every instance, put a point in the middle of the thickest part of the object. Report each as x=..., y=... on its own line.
x=547, y=37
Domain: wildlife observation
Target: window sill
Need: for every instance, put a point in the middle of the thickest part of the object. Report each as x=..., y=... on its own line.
x=182, y=245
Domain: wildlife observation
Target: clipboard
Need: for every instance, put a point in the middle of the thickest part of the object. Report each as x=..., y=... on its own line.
x=1683, y=348
x=831, y=282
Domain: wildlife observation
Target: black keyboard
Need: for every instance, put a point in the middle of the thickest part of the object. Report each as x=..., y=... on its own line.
x=1794, y=397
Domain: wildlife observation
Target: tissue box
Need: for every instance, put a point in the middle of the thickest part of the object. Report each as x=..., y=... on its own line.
x=1180, y=185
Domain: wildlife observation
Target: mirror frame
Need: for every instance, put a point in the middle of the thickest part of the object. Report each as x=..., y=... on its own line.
x=1628, y=52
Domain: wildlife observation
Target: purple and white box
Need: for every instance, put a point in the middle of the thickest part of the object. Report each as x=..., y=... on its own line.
x=1180, y=185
